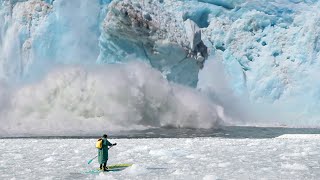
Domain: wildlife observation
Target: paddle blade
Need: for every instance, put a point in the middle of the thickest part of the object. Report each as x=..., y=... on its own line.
x=90, y=161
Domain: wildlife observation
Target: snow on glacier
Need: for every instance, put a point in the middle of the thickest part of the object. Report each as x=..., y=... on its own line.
x=267, y=51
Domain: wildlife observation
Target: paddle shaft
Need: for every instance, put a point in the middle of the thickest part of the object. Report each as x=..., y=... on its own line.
x=95, y=157
x=92, y=159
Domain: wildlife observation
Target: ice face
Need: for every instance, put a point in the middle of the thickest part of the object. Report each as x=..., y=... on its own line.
x=267, y=51
x=19, y=23
x=156, y=32
x=278, y=55
x=74, y=31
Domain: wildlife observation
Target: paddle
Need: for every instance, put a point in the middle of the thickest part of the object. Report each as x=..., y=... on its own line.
x=96, y=157
x=92, y=159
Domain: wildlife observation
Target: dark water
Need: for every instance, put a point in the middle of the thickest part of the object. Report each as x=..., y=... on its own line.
x=235, y=132
x=225, y=132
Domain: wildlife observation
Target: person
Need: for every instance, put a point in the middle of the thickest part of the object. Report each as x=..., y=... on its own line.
x=103, y=152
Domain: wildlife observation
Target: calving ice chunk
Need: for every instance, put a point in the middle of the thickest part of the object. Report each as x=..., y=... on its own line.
x=158, y=35
x=198, y=49
x=149, y=23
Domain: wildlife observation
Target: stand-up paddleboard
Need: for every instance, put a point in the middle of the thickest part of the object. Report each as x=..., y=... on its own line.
x=111, y=168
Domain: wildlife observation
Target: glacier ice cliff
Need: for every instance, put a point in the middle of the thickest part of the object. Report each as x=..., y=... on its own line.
x=152, y=29
x=258, y=60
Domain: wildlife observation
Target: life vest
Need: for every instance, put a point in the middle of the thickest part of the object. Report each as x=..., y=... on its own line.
x=99, y=144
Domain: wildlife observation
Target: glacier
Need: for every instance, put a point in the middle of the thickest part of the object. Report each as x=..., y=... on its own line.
x=244, y=62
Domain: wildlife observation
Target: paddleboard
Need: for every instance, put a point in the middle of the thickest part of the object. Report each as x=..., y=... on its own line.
x=111, y=168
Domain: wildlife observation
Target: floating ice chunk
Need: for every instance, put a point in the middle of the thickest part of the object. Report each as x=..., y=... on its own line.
x=136, y=169
x=103, y=176
x=292, y=154
x=224, y=164
x=299, y=136
x=178, y=172
x=49, y=159
x=172, y=161
x=253, y=144
x=48, y=178
x=158, y=153
x=210, y=177
x=294, y=166
x=18, y=156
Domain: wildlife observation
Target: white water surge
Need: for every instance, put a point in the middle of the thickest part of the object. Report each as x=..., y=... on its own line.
x=78, y=101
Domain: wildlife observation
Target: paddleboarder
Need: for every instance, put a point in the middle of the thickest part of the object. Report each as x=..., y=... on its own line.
x=103, y=152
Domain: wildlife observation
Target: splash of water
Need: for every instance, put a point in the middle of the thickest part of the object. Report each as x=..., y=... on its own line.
x=77, y=100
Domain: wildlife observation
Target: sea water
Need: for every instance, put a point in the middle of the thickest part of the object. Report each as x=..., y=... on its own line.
x=248, y=153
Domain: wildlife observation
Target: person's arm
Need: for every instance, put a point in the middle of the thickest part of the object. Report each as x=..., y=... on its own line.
x=110, y=144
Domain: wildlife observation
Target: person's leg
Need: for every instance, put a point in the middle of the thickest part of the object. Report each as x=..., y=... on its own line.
x=105, y=166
